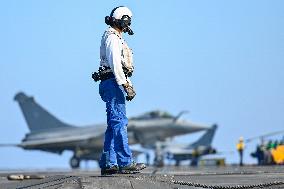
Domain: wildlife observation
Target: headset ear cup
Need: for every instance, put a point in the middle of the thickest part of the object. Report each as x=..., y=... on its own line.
x=110, y=20
x=113, y=20
x=107, y=20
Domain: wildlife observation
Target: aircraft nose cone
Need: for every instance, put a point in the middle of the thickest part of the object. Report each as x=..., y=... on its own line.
x=191, y=127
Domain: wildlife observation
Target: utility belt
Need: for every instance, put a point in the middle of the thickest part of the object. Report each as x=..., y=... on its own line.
x=103, y=74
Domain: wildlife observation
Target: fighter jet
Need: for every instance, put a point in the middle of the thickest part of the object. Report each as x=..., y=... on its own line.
x=192, y=151
x=47, y=133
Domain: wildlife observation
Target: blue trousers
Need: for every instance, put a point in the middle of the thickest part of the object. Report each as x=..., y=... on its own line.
x=116, y=149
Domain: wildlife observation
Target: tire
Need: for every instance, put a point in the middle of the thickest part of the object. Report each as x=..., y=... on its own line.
x=74, y=162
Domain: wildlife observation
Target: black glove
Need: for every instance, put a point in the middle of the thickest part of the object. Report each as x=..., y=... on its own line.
x=129, y=91
x=96, y=76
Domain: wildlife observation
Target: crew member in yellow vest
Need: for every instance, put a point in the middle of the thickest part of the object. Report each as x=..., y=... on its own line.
x=240, y=148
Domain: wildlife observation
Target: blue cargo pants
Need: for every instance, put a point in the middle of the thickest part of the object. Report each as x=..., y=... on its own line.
x=116, y=150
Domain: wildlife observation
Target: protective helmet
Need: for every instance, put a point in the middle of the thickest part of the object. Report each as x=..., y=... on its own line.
x=121, y=18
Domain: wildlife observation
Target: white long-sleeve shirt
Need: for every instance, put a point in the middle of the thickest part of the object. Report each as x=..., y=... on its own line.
x=111, y=54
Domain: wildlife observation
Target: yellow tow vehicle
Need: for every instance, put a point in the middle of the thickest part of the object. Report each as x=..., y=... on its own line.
x=278, y=155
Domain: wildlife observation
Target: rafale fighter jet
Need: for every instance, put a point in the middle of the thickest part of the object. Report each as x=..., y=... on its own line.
x=193, y=151
x=47, y=133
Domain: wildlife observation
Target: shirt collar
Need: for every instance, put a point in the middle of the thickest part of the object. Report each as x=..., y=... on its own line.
x=111, y=29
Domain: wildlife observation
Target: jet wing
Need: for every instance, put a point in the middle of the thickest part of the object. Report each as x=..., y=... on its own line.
x=84, y=137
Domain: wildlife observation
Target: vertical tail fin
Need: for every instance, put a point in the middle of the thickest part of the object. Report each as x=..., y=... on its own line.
x=206, y=139
x=37, y=118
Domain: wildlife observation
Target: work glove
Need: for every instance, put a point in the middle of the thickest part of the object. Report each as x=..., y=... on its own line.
x=129, y=91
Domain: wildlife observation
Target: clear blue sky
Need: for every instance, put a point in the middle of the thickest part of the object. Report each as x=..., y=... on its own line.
x=222, y=60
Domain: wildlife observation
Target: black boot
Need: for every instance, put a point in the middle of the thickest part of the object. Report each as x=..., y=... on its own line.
x=132, y=168
x=109, y=171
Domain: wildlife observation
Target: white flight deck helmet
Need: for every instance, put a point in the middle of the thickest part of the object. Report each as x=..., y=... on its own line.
x=121, y=18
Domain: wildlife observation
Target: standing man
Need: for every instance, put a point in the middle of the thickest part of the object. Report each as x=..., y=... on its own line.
x=240, y=148
x=116, y=66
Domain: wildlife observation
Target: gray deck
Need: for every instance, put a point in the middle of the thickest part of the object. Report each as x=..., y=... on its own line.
x=169, y=177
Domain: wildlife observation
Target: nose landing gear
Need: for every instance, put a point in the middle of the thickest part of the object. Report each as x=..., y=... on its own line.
x=75, y=162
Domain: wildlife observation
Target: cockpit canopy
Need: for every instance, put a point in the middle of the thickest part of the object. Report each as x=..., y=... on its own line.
x=154, y=115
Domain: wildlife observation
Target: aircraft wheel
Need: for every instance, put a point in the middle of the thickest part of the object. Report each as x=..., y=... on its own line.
x=177, y=163
x=158, y=162
x=75, y=162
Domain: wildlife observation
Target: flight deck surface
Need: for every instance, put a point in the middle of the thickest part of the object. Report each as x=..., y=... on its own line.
x=169, y=177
